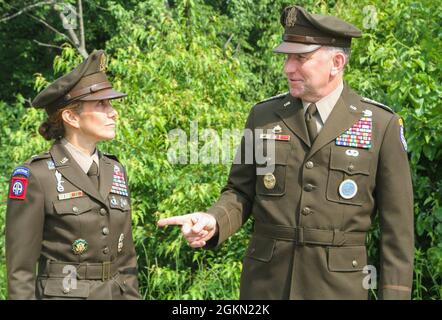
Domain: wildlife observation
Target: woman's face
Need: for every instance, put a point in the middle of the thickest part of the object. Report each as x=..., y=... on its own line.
x=96, y=121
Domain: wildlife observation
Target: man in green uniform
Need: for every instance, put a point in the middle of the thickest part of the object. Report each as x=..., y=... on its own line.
x=338, y=158
x=68, y=221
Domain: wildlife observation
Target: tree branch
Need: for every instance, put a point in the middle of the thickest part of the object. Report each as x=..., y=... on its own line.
x=23, y=10
x=50, y=27
x=80, y=19
x=74, y=37
x=47, y=45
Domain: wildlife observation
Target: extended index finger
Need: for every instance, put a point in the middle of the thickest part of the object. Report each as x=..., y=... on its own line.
x=177, y=221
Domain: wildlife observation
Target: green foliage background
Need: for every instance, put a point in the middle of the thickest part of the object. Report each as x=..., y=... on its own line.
x=210, y=61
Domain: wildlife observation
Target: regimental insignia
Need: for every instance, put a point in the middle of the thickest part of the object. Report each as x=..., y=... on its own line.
x=120, y=243
x=18, y=188
x=119, y=185
x=348, y=189
x=103, y=62
x=269, y=181
x=358, y=136
x=290, y=20
x=79, y=246
x=402, y=134
x=51, y=165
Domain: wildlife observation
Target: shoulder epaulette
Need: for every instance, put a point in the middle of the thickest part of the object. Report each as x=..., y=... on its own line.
x=111, y=156
x=44, y=155
x=383, y=106
x=279, y=96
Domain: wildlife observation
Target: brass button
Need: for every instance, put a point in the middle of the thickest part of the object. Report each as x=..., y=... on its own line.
x=309, y=164
x=351, y=167
x=106, y=250
x=354, y=263
x=75, y=209
x=103, y=211
x=309, y=187
x=306, y=211
x=105, y=231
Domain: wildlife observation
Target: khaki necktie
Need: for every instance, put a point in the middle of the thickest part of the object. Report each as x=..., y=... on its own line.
x=310, y=121
x=93, y=174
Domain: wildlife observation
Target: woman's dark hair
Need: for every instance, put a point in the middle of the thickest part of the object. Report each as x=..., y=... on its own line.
x=53, y=127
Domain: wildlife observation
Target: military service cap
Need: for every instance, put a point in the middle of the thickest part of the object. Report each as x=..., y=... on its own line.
x=86, y=82
x=305, y=32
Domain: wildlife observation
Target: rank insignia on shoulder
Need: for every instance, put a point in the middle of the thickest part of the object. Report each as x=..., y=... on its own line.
x=21, y=171
x=358, y=136
x=18, y=188
x=402, y=134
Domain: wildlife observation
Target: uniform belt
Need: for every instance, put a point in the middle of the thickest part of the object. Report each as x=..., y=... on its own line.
x=302, y=235
x=84, y=271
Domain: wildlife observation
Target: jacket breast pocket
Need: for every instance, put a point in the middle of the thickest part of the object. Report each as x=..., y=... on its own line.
x=120, y=203
x=347, y=259
x=261, y=248
x=348, y=177
x=271, y=176
x=74, y=206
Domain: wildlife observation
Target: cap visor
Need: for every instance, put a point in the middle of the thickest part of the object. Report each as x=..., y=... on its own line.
x=295, y=47
x=103, y=95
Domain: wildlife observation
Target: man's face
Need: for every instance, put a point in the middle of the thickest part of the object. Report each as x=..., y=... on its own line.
x=308, y=74
x=97, y=120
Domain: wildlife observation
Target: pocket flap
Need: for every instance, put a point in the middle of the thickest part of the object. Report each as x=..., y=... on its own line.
x=72, y=206
x=347, y=258
x=350, y=165
x=54, y=288
x=261, y=248
x=119, y=202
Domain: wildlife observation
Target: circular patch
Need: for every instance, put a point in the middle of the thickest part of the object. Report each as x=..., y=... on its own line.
x=348, y=189
x=269, y=181
x=18, y=188
x=79, y=246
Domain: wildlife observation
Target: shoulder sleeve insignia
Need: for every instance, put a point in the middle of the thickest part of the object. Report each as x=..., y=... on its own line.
x=17, y=189
x=383, y=106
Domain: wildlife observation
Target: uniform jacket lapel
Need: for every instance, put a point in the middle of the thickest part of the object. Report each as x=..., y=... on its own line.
x=345, y=113
x=72, y=171
x=292, y=115
x=106, y=175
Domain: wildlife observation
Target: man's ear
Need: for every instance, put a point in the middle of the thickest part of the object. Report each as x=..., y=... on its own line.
x=339, y=60
x=71, y=118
